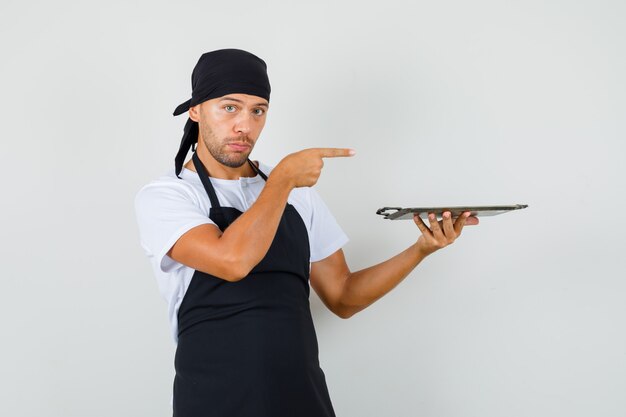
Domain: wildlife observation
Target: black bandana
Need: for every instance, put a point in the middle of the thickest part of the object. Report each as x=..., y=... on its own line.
x=216, y=74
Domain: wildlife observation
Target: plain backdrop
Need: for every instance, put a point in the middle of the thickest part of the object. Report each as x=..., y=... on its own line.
x=450, y=102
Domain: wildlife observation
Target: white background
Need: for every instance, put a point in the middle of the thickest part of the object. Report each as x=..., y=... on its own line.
x=450, y=102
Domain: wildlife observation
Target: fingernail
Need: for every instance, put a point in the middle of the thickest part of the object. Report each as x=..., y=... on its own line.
x=352, y=152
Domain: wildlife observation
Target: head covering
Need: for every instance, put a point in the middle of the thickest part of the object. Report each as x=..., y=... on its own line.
x=216, y=74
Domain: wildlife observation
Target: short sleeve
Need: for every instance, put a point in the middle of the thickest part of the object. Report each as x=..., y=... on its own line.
x=326, y=237
x=164, y=213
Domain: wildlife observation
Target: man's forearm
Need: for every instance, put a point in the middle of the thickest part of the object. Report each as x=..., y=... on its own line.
x=363, y=287
x=251, y=235
x=232, y=254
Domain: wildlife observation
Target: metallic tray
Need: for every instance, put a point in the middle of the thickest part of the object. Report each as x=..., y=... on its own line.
x=399, y=213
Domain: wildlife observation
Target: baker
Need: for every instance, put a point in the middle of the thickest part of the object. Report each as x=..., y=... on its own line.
x=236, y=246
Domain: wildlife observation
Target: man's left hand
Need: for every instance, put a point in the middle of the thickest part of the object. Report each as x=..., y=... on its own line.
x=441, y=233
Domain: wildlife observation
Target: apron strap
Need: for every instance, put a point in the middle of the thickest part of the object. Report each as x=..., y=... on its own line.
x=257, y=170
x=204, y=177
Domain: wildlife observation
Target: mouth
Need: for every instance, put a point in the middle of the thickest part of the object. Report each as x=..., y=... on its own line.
x=238, y=146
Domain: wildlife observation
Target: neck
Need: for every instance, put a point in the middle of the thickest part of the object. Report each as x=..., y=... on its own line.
x=217, y=169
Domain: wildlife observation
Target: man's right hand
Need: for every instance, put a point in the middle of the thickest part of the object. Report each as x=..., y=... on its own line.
x=303, y=168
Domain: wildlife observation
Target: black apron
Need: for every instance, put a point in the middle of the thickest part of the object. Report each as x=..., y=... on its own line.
x=248, y=348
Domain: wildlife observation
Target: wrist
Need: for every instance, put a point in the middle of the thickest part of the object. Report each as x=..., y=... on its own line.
x=420, y=251
x=278, y=187
x=280, y=179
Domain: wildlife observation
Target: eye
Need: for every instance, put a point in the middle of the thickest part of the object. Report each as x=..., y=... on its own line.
x=229, y=109
x=259, y=112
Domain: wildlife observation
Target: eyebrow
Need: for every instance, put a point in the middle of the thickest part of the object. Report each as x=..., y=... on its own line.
x=240, y=101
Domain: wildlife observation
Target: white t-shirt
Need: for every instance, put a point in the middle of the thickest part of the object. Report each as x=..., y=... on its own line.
x=168, y=207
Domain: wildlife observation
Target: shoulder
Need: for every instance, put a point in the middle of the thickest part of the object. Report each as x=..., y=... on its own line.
x=167, y=188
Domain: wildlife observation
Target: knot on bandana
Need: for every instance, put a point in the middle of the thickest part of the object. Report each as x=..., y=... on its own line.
x=218, y=73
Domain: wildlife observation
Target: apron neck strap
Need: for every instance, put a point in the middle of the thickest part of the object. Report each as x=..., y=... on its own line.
x=257, y=170
x=204, y=177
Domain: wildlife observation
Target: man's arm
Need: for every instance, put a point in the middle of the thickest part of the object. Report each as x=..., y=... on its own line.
x=346, y=293
x=232, y=255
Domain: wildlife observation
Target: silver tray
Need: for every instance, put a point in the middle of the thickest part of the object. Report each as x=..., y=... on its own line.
x=399, y=213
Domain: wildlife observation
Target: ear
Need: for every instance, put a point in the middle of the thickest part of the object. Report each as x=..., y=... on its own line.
x=194, y=112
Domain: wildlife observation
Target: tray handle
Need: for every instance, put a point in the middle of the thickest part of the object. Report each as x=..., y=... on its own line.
x=385, y=211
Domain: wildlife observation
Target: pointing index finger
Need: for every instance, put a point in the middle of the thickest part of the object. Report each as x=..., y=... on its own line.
x=336, y=152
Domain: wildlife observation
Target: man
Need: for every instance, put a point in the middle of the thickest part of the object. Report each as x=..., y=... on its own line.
x=236, y=245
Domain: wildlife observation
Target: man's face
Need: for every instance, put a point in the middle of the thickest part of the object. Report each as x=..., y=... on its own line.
x=230, y=126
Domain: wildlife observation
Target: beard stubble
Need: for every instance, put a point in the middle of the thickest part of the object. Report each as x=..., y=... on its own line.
x=217, y=148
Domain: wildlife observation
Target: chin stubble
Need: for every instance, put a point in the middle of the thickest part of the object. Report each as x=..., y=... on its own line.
x=228, y=159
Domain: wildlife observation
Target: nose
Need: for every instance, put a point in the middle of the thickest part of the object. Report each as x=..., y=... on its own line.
x=243, y=123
